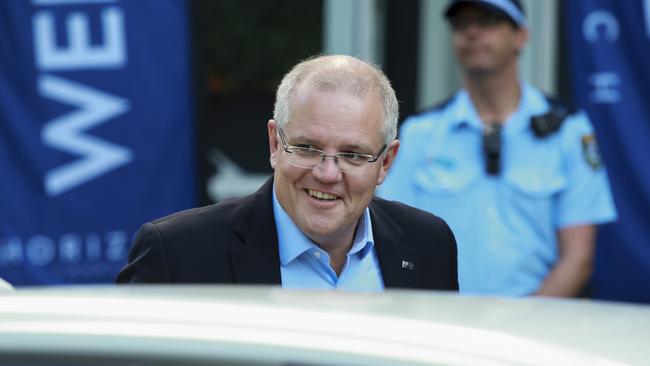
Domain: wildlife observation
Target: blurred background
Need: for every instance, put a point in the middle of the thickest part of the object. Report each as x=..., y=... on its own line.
x=113, y=113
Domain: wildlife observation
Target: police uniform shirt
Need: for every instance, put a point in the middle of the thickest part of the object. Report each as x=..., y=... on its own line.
x=505, y=224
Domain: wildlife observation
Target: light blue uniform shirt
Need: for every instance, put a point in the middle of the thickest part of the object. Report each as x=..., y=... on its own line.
x=505, y=225
x=304, y=265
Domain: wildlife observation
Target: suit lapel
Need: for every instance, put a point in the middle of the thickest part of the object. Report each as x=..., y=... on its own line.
x=398, y=261
x=257, y=259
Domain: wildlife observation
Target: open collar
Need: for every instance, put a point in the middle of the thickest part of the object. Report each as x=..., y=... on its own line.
x=257, y=259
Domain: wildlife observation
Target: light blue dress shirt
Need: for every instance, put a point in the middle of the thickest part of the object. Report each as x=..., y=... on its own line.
x=505, y=225
x=304, y=265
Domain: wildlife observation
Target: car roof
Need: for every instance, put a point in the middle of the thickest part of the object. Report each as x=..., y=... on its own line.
x=270, y=325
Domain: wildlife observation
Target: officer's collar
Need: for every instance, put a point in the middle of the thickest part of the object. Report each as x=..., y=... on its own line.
x=532, y=102
x=464, y=114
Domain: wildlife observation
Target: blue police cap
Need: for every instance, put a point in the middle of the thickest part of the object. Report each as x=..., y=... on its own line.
x=510, y=8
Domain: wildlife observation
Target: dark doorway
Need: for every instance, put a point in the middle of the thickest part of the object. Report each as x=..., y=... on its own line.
x=242, y=50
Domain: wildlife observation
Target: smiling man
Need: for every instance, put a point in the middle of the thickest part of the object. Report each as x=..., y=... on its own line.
x=316, y=223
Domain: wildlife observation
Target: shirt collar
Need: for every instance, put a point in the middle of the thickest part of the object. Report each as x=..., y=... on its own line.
x=293, y=243
x=464, y=114
x=532, y=102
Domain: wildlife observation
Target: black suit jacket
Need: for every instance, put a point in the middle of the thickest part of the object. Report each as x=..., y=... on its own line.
x=235, y=241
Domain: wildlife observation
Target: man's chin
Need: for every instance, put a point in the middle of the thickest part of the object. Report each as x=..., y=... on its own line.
x=322, y=225
x=477, y=70
x=321, y=229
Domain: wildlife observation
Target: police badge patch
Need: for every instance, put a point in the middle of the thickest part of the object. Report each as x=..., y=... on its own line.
x=591, y=152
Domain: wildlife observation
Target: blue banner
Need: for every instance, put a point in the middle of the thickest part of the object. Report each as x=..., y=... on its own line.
x=609, y=45
x=96, y=132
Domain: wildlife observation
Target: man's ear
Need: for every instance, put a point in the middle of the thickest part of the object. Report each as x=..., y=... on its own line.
x=521, y=39
x=274, y=143
x=391, y=153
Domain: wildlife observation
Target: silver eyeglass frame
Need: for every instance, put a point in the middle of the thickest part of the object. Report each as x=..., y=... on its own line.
x=290, y=149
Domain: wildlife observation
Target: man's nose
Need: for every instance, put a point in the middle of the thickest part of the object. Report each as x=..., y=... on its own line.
x=328, y=170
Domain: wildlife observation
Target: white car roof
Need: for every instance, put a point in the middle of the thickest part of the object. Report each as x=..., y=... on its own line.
x=270, y=325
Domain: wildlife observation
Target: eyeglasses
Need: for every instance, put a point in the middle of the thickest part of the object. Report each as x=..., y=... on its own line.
x=309, y=158
x=482, y=20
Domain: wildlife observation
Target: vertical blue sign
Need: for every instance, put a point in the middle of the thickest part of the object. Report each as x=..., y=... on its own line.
x=609, y=45
x=96, y=132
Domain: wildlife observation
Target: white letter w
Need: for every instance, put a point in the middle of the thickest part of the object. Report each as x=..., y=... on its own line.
x=66, y=133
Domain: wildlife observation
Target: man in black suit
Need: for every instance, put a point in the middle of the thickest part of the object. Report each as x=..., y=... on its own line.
x=316, y=223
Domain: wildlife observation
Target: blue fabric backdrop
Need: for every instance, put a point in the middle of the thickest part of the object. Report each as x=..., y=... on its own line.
x=609, y=45
x=96, y=132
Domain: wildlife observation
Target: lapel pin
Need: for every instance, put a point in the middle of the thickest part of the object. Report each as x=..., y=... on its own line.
x=407, y=265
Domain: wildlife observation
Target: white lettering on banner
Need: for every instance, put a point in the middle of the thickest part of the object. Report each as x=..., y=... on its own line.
x=66, y=133
x=80, y=54
x=42, y=250
x=115, y=245
x=11, y=253
x=600, y=25
x=606, y=87
x=70, y=248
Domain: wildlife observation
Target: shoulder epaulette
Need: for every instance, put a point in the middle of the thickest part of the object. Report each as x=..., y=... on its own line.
x=551, y=121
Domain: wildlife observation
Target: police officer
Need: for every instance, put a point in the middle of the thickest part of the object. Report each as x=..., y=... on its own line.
x=515, y=174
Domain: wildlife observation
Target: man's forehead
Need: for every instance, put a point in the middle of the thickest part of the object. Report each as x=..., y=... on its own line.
x=336, y=140
x=364, y=136
x=306, y=92
x=311, y=87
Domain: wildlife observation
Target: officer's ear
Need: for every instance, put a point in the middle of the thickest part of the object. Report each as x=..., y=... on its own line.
x=521, y=38
x=389, y=157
